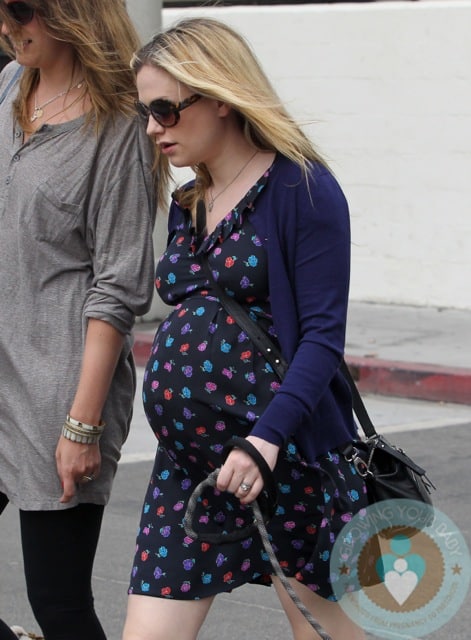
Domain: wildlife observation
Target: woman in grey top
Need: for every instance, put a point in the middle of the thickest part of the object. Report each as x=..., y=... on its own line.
x=76, y=266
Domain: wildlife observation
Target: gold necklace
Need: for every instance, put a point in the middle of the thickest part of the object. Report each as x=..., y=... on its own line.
x=39, y=108
x=213, y=198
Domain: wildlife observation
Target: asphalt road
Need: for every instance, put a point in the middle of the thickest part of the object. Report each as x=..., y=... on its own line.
x=435, y=435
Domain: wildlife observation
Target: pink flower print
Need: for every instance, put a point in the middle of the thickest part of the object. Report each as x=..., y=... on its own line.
x=228, y=372
x=239, y=522
x=178, y=506
x=146, y=530
x=274, y=386
x=235, y=236
x=168, y=365
x=217, y=251
x=195, y=268
x=210, y=387
x=300, y=507
x=155, y=385
x=289, y=525
x=186, y=586
x=324, y=523
x=164, y=431
x=346, y=517
x=187, y=541
x=203, y=520
x=202, y=346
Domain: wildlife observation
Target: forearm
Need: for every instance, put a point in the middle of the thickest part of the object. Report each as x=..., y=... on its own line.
x=103, y=345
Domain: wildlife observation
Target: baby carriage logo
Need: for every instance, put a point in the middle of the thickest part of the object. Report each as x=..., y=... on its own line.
x=400, y=569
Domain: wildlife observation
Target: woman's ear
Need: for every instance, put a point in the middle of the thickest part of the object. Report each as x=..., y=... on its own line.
x=224, y=109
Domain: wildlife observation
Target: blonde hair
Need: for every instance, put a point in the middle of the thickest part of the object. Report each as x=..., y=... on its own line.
x=213, y=60
x=103, y=39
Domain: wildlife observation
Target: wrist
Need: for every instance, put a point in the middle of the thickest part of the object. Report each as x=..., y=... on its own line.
x=81, y=432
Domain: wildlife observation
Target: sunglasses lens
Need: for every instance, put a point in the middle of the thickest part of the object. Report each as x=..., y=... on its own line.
x=162, y=112
x=21, y=12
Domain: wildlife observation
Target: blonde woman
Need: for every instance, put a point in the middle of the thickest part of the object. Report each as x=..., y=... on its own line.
x=271, y=221
x=77, y=210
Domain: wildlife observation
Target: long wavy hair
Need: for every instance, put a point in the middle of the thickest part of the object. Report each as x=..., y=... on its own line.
x=213, y=60
x=103, y=38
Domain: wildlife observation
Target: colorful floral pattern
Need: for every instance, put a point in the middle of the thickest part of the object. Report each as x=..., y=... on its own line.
x=205, y=383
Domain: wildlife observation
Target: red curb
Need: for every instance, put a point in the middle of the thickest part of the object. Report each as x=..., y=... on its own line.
x=411, y=380
x=384, y=377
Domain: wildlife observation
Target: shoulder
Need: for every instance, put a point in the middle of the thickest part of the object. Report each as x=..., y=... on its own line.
x=316, y=189
x=9, y=73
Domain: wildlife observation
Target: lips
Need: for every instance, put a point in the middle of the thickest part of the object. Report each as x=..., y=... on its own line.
x=166, y=147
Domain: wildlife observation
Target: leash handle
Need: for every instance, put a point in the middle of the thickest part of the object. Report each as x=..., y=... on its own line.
x=222, y=537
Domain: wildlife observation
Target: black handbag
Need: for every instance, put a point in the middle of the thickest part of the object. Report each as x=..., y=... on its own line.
x=388, y=472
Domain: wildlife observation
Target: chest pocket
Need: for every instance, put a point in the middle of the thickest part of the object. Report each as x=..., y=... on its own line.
x=54, y=218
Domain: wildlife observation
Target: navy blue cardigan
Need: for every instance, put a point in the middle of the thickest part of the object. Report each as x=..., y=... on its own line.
x=305, y=229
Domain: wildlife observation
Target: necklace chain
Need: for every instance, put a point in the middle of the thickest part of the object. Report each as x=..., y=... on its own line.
x=39, y=108
x=212, y=198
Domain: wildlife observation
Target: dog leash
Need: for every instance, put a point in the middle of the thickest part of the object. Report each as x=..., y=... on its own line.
x=263, y=509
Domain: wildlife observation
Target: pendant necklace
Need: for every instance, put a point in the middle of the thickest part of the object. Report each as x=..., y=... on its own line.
x=212, y=198
x=39, y=108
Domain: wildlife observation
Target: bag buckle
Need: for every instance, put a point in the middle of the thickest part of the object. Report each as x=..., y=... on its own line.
x=353, y=456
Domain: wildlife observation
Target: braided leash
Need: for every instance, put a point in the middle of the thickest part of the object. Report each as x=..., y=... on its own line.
x=257, y=524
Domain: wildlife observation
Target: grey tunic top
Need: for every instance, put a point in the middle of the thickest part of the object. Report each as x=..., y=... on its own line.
x=76, y=217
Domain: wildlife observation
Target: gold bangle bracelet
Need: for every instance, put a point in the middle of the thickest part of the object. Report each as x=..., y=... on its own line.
x=80, y=438
x=88, y=428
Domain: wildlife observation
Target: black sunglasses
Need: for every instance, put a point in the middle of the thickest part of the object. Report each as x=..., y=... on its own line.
x=20, y=12
x=166, y=113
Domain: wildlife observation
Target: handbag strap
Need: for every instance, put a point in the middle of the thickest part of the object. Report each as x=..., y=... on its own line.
x=273, y=355
x=260, y=339
x=358, y=404
x=12, y=81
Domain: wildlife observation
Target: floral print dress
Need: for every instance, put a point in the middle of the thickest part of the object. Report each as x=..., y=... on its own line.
x=203, y=384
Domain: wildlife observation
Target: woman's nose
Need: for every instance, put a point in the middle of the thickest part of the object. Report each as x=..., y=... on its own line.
x=154, y=127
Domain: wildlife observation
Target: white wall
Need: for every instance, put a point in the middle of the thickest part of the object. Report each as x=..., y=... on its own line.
x=387, y=89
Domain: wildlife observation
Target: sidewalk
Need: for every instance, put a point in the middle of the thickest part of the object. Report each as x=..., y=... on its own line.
x=410, y=352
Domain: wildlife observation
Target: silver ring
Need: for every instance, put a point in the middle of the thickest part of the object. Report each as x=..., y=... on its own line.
x=245, y=487
x=88, y=478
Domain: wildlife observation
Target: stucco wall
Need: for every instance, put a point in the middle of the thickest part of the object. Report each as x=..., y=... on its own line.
x=387, y=90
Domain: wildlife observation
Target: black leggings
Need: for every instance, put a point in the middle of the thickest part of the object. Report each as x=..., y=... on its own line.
x=58, y=552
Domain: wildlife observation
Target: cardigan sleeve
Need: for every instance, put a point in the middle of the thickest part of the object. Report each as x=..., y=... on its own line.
x=309, y=262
